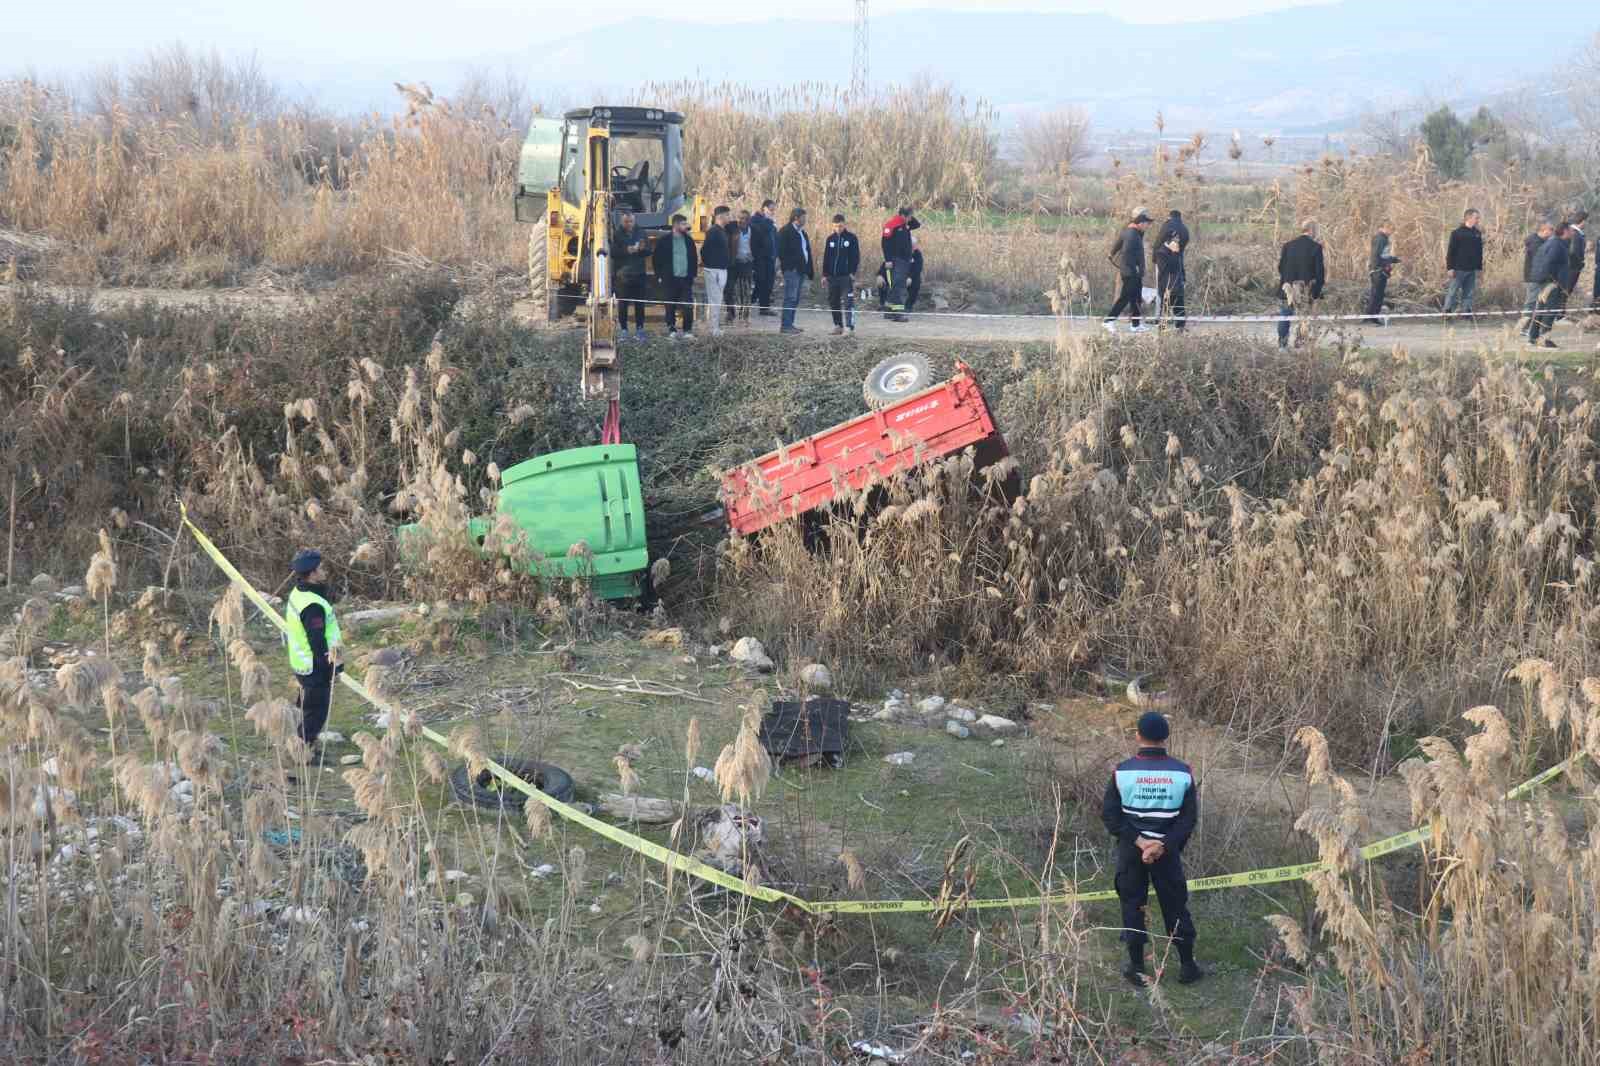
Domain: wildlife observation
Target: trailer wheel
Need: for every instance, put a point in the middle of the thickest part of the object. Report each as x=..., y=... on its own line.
x=487, y=791
x=896, y=378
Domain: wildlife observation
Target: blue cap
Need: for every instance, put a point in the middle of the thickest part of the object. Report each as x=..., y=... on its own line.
x=306, y=561
x=1153, y=726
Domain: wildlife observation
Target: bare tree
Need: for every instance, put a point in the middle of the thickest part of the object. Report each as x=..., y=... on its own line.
x=1054, y=140
x=1585, y=69
x=1390, y=133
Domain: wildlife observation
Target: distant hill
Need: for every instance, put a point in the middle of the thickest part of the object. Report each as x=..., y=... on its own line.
x=1299, y=67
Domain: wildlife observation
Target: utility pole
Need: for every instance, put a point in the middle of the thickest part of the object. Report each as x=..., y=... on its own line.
x=858, y=67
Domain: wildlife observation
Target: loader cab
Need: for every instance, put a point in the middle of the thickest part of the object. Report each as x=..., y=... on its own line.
x=645, y=153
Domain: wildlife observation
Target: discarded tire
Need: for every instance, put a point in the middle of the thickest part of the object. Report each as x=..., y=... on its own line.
x=487, y=790
x=896, y=378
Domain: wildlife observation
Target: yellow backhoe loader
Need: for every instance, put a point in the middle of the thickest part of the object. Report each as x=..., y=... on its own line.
x=577, y=175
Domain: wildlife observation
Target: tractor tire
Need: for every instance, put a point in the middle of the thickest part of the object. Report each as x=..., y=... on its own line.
x=551, y=780
x=539, y=289
x=896, y=378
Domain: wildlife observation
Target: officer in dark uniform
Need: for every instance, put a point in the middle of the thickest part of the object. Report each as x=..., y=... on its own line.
x=1151, y=807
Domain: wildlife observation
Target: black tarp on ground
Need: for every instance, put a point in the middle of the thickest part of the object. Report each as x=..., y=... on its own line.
x=788, y=732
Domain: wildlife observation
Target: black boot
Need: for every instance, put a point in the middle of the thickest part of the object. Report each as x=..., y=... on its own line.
x=1189, y=972
x=1134, y=971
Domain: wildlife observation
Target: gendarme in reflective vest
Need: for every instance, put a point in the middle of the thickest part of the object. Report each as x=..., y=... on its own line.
x=301, y=659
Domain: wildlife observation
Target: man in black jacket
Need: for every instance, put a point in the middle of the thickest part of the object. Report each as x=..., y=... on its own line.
x=1580, y=247
x=898, y=250
x=1530, y=289
x=794, y=256
x=1128, y=257
x=1171, y=275
x=629, y=249
x=841, y=258
x=1552, y=267
x=676, y=264
x=1463, y=260
x=1301, y=276
x=764, y=250
x=1380, y=264
x=716, y=259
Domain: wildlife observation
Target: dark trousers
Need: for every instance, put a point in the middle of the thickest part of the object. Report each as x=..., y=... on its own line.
x=1170, y=286
x=766, y=273
x=913, y=287
x=315, y=696
x=1547, y=312
x=1375, y=294
x=680, y=304
x=1134, y=880
x=631, y=292
x=899, y=279
x=737, y=291
x=842, y=301
x=1131, y=297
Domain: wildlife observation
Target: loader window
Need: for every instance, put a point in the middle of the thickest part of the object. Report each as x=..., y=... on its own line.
x=638, y=169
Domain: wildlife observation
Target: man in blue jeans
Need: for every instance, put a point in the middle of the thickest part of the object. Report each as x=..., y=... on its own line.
x=794, y=256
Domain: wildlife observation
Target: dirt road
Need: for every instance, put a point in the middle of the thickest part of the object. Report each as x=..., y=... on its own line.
x=1429, y=336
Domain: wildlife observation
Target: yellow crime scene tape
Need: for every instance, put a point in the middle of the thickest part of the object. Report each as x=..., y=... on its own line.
x=695, y=868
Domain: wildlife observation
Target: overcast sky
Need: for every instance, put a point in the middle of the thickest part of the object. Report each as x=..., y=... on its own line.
x=69, y=35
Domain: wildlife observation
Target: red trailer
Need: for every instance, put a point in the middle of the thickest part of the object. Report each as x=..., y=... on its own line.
x=911, y=425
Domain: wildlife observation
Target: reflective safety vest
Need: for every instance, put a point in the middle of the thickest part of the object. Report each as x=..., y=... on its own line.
x=301, y=659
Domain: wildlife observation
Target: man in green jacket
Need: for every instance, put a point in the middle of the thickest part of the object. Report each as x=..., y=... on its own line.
x=313, y=641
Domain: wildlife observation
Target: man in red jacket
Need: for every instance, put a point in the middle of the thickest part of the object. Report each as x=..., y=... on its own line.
x=897, y=253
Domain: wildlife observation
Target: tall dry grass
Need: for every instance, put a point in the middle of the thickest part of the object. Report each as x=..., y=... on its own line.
x=170, y=199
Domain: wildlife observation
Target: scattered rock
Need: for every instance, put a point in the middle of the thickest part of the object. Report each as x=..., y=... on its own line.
x=393, y=655
x=816, y=677
x=464, y=900
x=995, y=726
x=42, y=583
x=542, y=870
x=716, y=651
x=349, y=760
x=70, y=591
x=963, y=715
x=380, y=614
x=703, y=773
x=299, y=916
x=932, y=705
x=666, y=638
x=997, y=743
x=455, y=875
x=331, y=736
x=748, y=650
x=594, y=908
x=957, y=730
x=900, y=758
x=382, y=720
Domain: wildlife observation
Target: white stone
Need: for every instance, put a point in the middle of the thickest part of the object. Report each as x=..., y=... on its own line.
x=931, y=705
x=594, y=908
x=997, y=744
x=957, y=730
x=382, y=721
x=817, y=677
x=748, y=650
x=703, y=773
x=331, y=736
x=900, y=758
x=542, y=870
x=455, y=875
x=349, y=760
x=72, y=591
x=963, y=715
x=995, y=726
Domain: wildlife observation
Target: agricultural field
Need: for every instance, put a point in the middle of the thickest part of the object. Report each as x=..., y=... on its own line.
x=1359, y=577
